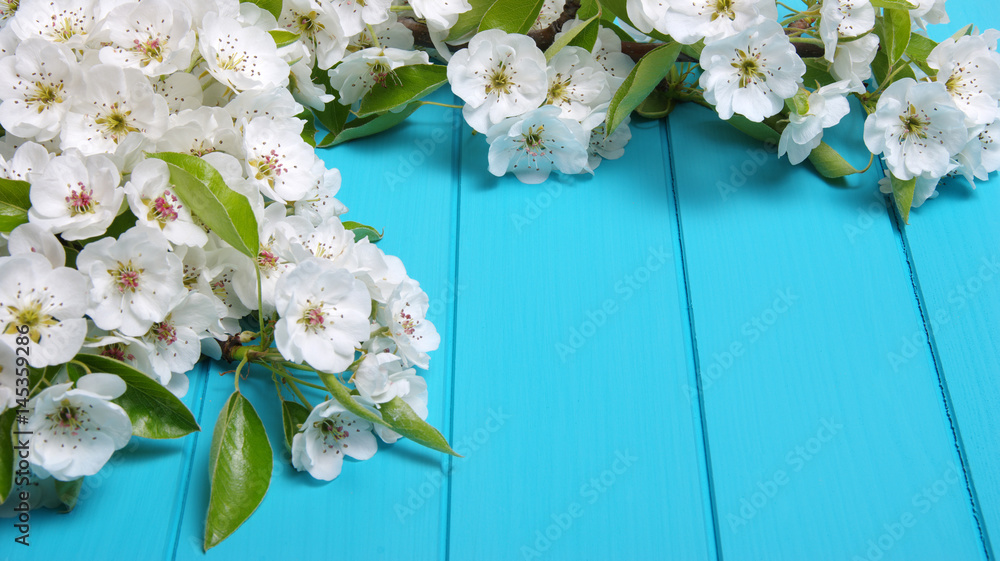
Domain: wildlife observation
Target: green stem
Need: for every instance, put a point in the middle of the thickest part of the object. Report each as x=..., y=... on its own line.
x=374, y=35
x=440, y=104
x=289, y=377
x=298, y=394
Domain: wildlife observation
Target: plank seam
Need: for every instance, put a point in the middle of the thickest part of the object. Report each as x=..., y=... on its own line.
x=904, y=247
x=456, y=170
x=186, y=474
x=668, y=158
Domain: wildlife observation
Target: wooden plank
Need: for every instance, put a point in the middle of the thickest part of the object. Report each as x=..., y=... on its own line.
x=354, y=514
x=570, y=344
x=131, y=503
x=952, y=242
x=819, y=449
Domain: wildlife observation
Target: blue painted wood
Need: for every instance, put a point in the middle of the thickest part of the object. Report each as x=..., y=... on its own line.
x=402, y=182
x=133, y=502
x=952, y=243
x=819, y=449
x=570, y=351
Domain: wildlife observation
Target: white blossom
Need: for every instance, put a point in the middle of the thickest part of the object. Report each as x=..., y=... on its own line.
x=751, y=73
x=319, y=30
x=37, y=86
x=441, y=14
x=533, y=145
x=76, y=196
x=823, y=109
x=405, y=317
x=499, y=75
x=242, y=58
x=844, y=18
x=360, y=71
x=355, y=14
x=971, y=73
x=153, y=201
x=77, y=429
x=852, y=60
x=328, y=434
x=688, y=21
x=577, y=83
x=154, y=36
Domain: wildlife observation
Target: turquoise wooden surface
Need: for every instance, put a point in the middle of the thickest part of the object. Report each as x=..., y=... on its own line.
x=699, y=353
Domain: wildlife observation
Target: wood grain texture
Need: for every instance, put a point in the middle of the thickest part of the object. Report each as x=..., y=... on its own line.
x=952, y=242
x=818, y=447
x=571, y=324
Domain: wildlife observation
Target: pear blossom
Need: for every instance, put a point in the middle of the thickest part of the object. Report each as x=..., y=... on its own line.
x=76, y=428
x=277, y=158
x=751, y=73
x=823, y=109
x=31, y=238
x=852, y=60
x=413, y=392
x=181, y=91
x=844, y=18
x=404, y=316
x=154, y=36
x=354, y=15
x=273, y=261
x=390, y=33
x=381, y=378
x=692, y=20
x=200, y=131
x=548, y=14
x=380, y=272
x=329, y=241
x=48, y=301
x=155, y=205
x=499, y=75
x=320, y=31
x=360, y=71
x=174, y=343
x=577, y=83
x=276, y=104
x=323, y=313
x=8, y=378
x=27, y=158
x=532, y=145
x=981, y=155
x=928, y=11
x=118, y=102
x=319, y=203
x=37, y=86
x=60, y=21
x=134, y=281
x=917, y=128
x=924, y=188
x=242, y=58
x=329, y=433
x=441, y=14
x=607, y=147
x=76, y=196
x=971, y=73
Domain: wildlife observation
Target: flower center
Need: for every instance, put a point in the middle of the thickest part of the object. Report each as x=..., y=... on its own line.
x=914, y=124
x=499, y=81
x=380, y=71
x=67, y=417
x=534, y=144
x=308, y=24
x=64, y=30
x=116, y=123
x=954, y=82
x=163, y=209
x=267, y=260
x=330, y=427
x=7, y=8
x=81, y=201
x=117, y=352
x=149, y=50
x=748, y=68
x=407, y=322
x=558, y=91
x=313, y=318
x=268, y=166
x=723, y=8
x=31, y=316
x=164, y=333
x=127, y=277
x=45, y=95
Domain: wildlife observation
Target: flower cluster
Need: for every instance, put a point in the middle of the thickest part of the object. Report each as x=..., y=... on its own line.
x=540, y=115
x=174, y=201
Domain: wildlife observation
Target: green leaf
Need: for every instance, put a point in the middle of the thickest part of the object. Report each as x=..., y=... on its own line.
x=406, y=84
x=293, y=414
x=362, y=231
x=273, y=6
x=755, y=130
x=583, y=35
x=817, y=71
x=6, y=453
x=308, y=127
x=71, y=255
x=283, y=38
x=646, y=74
x=588, y=8
x=69, y=492
x=895, y=34
x=893, y=4
x=367, y=126
x=967, y=30
x=829, y=163
x=469, y=21
x=14, y=203
x=240, y=468
x=406, y=424
x=511, y=16
x=153, y=410
x=656, y=106
x=902, y=193
x=917, y=51
x=224, y=211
